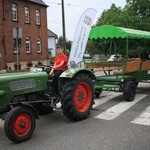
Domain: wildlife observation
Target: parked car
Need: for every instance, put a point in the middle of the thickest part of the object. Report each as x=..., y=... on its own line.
x=97, y=57
x=115, y=58
x=87, y=58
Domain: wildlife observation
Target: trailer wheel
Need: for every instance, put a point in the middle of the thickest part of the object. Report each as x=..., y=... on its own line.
x=77, y=97
x=19, y=124
x=130, y=91
x=97, y=93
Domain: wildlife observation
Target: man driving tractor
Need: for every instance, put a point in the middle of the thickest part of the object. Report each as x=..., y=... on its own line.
x=60, y=65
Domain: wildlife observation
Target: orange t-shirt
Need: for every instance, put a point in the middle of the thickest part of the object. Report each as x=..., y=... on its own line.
x=59, y=59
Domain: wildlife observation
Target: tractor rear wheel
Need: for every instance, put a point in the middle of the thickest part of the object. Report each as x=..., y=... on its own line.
x=19, y=124
x=77, y=97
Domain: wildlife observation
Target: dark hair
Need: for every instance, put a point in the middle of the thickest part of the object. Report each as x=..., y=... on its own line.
x=59, y=46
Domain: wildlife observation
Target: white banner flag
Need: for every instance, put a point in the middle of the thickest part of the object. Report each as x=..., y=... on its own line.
x=81, y=35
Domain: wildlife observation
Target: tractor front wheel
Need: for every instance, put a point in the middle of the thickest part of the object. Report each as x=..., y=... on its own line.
x=19, y=124
x=77, y=97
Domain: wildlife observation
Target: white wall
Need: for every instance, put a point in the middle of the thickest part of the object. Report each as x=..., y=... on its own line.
x=52, y=45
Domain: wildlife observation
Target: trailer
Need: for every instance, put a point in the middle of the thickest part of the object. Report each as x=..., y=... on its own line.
x=122, y=75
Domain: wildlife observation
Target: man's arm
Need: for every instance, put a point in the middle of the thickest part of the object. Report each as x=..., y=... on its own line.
x=57, y=66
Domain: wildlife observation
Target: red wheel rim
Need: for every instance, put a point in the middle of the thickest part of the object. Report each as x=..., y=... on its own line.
x=82, y=97
x=22, y=125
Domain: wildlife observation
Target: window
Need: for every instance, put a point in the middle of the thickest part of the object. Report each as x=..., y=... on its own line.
x=28, y=45
x=38, y=45
x=14, y=12
x=27, y=15
x=37, y=17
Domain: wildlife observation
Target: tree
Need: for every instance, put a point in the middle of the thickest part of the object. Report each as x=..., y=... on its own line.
x=141, y=11
x=60, y=42
x=134, y=15
x=112, y=16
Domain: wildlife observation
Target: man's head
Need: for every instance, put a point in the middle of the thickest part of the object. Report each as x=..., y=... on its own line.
x=59, y=49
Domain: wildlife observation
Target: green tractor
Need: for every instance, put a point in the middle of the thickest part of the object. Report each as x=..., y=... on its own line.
x=25, y=95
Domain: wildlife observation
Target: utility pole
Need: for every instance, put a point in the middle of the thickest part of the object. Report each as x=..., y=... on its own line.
x=63, y=25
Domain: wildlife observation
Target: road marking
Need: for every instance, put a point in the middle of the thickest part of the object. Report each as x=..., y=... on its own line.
x=106, y=99
x=102, y=99
x=143, y=118
x=118, y=109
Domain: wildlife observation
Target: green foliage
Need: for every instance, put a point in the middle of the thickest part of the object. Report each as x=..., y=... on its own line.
x=68, y=45
x=134, y=15
x=51, y=58
x=141, y=11
x=92, y=48
x=67, y=52
x=60, y=42
x=49, y=54
x=112, y=16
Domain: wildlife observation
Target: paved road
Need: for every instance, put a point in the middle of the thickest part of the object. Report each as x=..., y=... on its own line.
x=113, y=125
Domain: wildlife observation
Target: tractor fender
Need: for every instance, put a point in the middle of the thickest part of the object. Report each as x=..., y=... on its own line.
x=126, y=85
x=70, y=73
x=32, y=108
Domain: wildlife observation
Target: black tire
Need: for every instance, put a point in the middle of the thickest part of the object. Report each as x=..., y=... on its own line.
x=130, y=92
x=77, y=97
x=97, y=93
x=19, y=124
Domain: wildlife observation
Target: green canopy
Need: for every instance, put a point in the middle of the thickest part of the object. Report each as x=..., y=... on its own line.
x=110, y=32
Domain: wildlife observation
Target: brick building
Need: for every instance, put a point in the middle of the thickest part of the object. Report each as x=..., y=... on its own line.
x=30, y=16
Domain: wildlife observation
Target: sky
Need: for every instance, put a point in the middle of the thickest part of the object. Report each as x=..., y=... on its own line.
x=73, y=10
